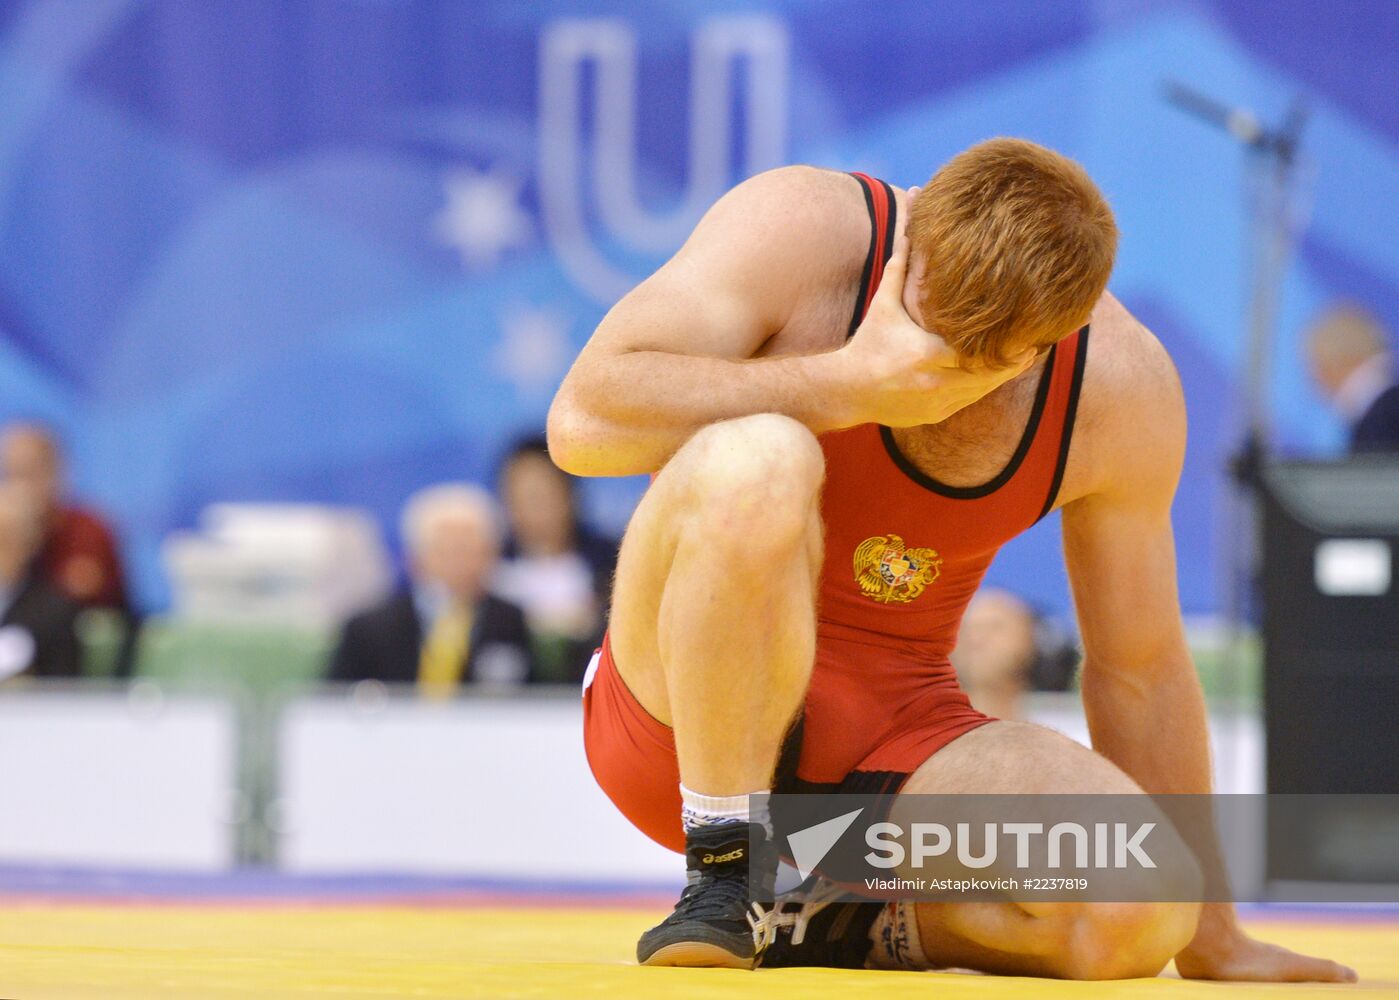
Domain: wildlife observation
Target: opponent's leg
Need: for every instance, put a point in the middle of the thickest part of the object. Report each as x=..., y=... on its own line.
x=1072, y=940
x=713, y=630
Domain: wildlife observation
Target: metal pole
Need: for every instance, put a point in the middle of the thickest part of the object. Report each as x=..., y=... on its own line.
x=1270, y=156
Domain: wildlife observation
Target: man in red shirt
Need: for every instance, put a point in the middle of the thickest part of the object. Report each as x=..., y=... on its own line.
x=79, y=554
x=831, y=482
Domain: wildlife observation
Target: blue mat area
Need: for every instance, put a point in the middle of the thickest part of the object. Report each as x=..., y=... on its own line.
x=253, y=884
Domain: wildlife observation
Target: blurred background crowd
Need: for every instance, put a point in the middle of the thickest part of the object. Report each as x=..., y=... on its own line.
x=502, y=586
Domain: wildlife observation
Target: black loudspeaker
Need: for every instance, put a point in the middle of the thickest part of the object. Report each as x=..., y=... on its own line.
x=1330, y=618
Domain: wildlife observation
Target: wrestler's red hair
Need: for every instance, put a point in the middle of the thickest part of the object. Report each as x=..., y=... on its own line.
x=1018, y=244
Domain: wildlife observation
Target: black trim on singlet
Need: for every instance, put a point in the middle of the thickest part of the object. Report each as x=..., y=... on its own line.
x=873, y=782
x=863, y=292
x=1070, y=413
x=992, y=485
x=862, y=296
x=891, y=225
x=854, y=783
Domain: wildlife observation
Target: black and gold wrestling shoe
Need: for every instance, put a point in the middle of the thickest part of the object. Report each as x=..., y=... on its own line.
x=817, y=924
x=716, y=923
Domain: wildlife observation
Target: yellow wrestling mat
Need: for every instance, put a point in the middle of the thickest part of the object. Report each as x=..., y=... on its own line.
x=78, y=951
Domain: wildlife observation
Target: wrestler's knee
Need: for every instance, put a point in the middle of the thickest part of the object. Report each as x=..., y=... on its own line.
x=1123, y=940
x=753, y=480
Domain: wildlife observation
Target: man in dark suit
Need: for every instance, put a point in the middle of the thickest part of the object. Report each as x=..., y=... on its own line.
x=1351, y=362
x=445, y=629
x=38, y=635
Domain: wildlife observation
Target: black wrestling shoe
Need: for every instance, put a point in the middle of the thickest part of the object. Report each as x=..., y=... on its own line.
x=716, y=922
x=815, y=925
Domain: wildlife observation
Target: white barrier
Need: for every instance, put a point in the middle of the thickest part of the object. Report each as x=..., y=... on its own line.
x=501, y=787
x=479, y=786
x=140, y=779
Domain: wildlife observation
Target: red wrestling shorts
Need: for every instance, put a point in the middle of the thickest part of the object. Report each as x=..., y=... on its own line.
x=870, y=719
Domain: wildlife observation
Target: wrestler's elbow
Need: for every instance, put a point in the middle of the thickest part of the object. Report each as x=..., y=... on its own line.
x=572, y=445
x=1112, y=686
x=1145, y=647
x=584, y=442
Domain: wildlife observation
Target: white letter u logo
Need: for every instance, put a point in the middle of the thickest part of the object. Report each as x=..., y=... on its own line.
x=610, y=45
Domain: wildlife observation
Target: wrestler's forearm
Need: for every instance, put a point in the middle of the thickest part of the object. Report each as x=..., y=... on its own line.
x=1153, y=724
x=627, y=414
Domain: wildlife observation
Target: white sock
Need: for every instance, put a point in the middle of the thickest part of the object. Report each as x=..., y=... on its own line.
x=897, y=944
x=701, y=810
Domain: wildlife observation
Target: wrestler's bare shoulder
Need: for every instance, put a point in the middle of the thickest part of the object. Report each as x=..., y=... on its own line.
x=799, y=214
x=780, y=254
x=1131, y=418
x=1125, y=355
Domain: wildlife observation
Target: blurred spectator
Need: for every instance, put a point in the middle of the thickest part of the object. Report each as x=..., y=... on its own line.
x=37, y=623
x=1004, y=649
x=445, y=629
x=995, y=650
x=78, y=554
x=555, y=567
x=1351, y=362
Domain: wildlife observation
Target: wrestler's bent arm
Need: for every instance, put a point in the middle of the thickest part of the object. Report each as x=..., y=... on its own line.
x=1145, y=708
x=674, y=354
x=678, y=352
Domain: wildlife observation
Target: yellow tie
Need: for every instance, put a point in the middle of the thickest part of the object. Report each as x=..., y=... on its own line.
x=443, y=658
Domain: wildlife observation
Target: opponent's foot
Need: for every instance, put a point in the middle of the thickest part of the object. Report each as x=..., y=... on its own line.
x=815, y=925
x=716, y=922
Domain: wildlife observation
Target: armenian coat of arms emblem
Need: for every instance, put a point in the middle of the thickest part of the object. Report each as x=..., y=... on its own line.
x=890, y=572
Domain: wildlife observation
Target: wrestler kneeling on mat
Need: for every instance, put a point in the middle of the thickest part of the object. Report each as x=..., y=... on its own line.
x=851, y=395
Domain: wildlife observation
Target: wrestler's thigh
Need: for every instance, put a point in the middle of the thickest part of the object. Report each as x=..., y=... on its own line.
x=736, y=479
x=643, y=564
x=1066, y=939
x=1017, y=758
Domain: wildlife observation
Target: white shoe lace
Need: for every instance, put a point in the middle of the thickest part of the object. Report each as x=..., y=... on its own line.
x=823, y=895
x=764, y=924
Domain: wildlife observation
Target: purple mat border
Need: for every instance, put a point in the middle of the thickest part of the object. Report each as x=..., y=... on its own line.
x=254, y=885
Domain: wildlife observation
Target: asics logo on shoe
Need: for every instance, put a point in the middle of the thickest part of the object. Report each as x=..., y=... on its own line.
x=719, y=859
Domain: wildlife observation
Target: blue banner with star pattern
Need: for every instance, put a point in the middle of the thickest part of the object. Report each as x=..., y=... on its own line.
x=334, y=250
